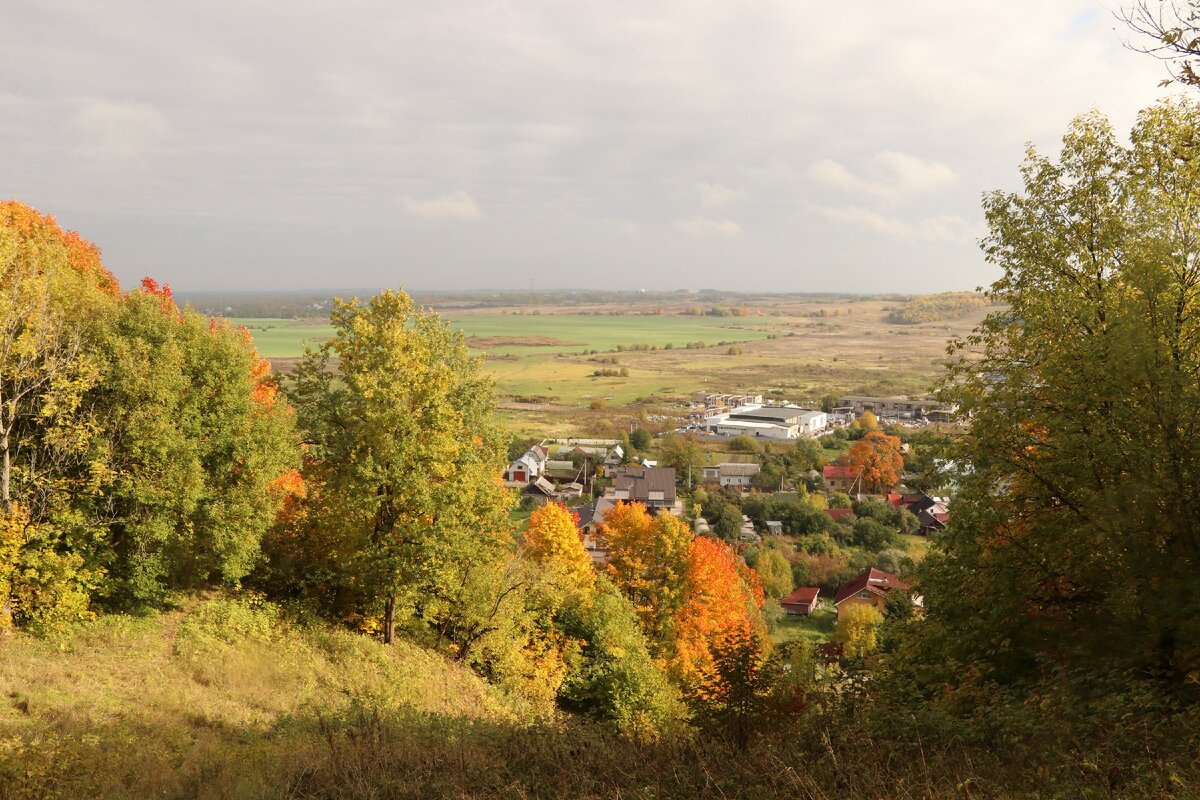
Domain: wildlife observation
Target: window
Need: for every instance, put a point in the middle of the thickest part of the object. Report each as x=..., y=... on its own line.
x=657, y=496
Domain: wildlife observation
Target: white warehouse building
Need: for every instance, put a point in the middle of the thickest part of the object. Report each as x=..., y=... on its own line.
x=768, y=422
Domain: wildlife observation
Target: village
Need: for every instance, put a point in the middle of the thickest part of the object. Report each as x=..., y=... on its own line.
x=832, y=507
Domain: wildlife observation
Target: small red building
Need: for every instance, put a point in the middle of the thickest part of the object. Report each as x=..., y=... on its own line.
x=801, y=602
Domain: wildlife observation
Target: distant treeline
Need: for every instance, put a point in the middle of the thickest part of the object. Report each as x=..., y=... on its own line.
x=706, y=302
x=936, y=307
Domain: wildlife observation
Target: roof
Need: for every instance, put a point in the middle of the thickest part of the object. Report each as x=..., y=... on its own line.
x=594, y=512
x=805, y=595
x=542, y=486
x=874, y=580
x=639, y=482
x=773, y=413
x=839, y=514
x=843, y=472
x=738, y=470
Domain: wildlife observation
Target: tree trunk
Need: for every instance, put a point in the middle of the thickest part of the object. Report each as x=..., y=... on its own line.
x=5, y=474
x=389, y=620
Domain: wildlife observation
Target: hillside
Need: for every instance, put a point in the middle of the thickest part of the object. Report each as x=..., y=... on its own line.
x=223, y=699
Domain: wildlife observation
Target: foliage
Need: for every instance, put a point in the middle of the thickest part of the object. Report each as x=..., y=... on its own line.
x=405, y=455
x=553, y=541
x=858, y=629
x=774, y=571
x=641, y=439
x=723, y=602
x=649, y=564
x=878, y=456
x=936, y=307
x=1074, y=526
x=684, y=454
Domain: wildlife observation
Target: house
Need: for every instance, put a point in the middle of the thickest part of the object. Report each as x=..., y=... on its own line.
x=932, y=512
x=731, y=474
x=528, y=467
x=542, y=489
x=654, y=487
x=903, y=407
x=591, y=517
x=801, y=602
x=841, y=514
x=839, y=478
x=869, y=587
x=614, y=459
x=774, y=527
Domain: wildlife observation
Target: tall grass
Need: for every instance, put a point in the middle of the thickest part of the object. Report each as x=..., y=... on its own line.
x=226, y=699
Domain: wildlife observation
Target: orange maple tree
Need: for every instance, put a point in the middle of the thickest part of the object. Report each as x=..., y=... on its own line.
x=81, y=255
x=723, y=603
x=878, y=456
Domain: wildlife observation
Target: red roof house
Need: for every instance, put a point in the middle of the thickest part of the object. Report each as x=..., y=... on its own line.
x=841, y=478
x=840, y=514
x=801, y=602
x=870, y=587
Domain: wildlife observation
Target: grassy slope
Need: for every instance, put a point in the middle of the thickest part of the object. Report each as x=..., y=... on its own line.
x=218, y=702
x=213, y=701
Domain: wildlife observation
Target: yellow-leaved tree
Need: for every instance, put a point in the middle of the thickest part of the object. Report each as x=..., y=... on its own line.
x=858, y=630
x=554, y=542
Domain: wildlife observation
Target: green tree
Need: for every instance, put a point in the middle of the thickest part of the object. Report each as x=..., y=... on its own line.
x=641, y=440
x=1077, y=523
x=774, y=571
x=404, y=444
x=684, y=454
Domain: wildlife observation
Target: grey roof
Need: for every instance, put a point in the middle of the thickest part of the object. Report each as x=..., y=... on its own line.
x=738, y=470
x=770, y=414
x=639, y=482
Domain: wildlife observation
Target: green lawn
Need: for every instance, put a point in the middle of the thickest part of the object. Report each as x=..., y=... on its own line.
x=818, y=627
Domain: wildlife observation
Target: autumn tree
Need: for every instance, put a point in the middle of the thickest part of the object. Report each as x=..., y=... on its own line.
x=553, y=541
x=407, y=452
x=878, y=456
x=858, y=630
x=723, y=601
x=648, y=562
x=685, y=455
x=1077, y=522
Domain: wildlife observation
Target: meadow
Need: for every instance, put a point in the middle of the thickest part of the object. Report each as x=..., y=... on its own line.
x=787, y=350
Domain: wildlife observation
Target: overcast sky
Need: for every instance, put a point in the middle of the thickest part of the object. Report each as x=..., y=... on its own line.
x=755, y=145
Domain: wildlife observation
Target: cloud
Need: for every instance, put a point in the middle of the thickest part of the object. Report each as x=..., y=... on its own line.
x=115, y=134
x=888, y=175
x=713, y=195
x=709, y=228
x=455, y=205
x=946, y=229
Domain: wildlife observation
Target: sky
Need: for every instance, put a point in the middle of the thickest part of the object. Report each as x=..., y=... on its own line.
x=756, y=145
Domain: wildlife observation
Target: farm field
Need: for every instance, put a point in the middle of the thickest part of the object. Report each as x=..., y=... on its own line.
x=797, y=351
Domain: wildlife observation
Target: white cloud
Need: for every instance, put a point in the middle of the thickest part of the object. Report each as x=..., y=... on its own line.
x=888, y=175
x=114, y=135
x=709, y=228
x=455, y=205
x=949, y=228
x=714, y=195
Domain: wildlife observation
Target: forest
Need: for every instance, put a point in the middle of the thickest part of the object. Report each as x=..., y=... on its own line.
x=344, y=537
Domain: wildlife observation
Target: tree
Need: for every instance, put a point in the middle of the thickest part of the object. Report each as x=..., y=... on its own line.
x=648, y=562
x=1174, y=29
x=775, y=572
x=723, y=601
x=553, y=541
x=866, y=421
x=684, y=454
x=641, y=440
x=878, y=456
x=404, y=444
x=858, y=630
x=1065, y=512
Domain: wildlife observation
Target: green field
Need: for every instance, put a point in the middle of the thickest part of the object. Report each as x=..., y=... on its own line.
x=284, y=338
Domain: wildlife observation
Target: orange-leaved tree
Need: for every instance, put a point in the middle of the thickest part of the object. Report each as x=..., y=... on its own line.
x=724, y=601
x=553, y=541
x=878, y=456
x=648, y=562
